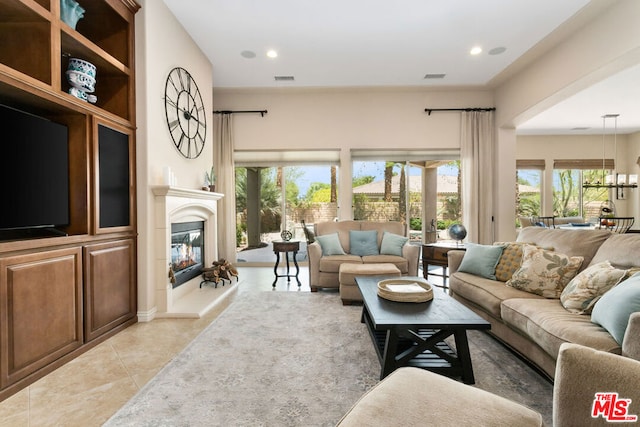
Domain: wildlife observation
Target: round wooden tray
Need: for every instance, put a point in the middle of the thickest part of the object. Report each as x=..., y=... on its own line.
x=400, y=290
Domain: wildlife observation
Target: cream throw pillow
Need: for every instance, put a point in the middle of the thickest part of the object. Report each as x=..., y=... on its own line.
x=544, y=272
x=588, y=286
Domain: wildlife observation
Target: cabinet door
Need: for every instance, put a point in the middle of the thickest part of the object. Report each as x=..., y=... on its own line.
x=40, y=310
x=114, y=182
x=110, y=286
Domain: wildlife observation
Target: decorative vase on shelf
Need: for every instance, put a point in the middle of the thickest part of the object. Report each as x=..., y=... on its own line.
x=71, y=12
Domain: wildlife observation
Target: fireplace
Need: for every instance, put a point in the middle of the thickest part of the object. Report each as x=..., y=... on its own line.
x=187, y=250
x=176, y=207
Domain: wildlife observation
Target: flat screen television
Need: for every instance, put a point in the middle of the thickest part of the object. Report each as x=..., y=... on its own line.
x=34, y=174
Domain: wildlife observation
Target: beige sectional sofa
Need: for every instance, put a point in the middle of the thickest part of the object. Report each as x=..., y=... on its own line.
x=324, y=269
x=536, y=326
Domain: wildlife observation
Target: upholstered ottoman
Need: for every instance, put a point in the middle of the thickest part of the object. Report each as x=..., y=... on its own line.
x=349, y=291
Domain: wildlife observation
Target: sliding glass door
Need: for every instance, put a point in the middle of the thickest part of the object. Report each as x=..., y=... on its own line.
x=272, y=199
x=393, y=191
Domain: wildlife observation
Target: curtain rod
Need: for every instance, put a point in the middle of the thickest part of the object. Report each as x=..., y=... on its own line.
x=430, y=110
x=261, y=112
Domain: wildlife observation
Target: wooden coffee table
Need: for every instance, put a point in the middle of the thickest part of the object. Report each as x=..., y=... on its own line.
x=412, y=334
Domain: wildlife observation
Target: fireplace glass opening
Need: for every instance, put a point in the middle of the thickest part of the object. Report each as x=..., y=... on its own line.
x=187, y=250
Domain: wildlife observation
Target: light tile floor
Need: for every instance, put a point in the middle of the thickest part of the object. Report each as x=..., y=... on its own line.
x=92, y=387
x=88, y=390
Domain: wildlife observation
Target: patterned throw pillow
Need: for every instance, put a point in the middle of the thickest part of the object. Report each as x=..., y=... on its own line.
x=510, y=260
x=544, y=272
x=588, y=286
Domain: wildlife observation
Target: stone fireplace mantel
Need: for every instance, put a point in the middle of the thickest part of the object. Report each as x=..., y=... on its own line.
x=177, y=205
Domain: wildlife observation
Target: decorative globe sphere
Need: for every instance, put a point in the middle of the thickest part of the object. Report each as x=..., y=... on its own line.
x=286, y=235
x=457, y=232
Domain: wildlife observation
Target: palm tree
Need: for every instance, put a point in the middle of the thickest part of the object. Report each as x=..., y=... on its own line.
x=388, y=176
x=334, y=185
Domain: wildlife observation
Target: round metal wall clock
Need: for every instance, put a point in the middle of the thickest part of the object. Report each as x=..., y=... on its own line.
x=185, y=112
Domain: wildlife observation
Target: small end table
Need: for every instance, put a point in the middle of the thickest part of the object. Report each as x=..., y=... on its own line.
x=286, y=247
x=436, y=254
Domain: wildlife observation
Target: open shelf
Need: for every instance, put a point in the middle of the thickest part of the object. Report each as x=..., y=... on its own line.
x=19, y=24
x=104, y=37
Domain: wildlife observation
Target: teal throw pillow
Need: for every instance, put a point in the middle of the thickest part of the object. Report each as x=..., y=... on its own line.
x=363, y=243
x=392, y=244
x=613, y=309
x=481, y=260
x=330, y=244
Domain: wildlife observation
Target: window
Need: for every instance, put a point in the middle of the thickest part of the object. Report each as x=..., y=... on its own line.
x=569, y=196
x=392, y=191
x=528, y=188
x=272, y=199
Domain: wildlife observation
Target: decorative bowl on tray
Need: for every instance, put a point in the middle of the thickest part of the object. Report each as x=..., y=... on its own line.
x=405, y=290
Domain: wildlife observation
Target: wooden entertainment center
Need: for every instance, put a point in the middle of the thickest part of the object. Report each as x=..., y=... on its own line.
x=61, y=295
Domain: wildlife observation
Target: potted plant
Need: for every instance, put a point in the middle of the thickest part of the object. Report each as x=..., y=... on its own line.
x=210, y=179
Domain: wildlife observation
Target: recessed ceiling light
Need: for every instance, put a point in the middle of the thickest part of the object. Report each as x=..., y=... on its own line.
x=249, y=54
x=272, y=54
x=497, y=50
x=477, y=50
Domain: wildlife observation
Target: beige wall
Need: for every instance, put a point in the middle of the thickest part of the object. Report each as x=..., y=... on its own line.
x=161, y=45
x=348, y=119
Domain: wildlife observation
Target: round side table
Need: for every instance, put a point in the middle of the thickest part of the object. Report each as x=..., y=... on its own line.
x=286, y=247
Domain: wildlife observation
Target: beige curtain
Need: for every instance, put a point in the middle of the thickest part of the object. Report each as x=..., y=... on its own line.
x=225, y=184
x=476, y=153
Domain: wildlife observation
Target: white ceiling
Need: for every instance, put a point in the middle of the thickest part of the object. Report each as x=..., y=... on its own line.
x=340, y=43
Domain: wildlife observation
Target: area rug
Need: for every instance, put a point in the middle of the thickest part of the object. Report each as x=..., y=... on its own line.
x=294, y=359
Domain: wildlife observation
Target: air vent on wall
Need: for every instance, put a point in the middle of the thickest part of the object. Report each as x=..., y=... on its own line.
x=284, y=78
x=581, y=128
x=434, y=76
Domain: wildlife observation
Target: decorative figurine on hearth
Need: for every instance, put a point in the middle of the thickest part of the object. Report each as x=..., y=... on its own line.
x=171, y=275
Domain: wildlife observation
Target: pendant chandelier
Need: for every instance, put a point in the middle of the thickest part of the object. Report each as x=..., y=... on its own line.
x=614, y=180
